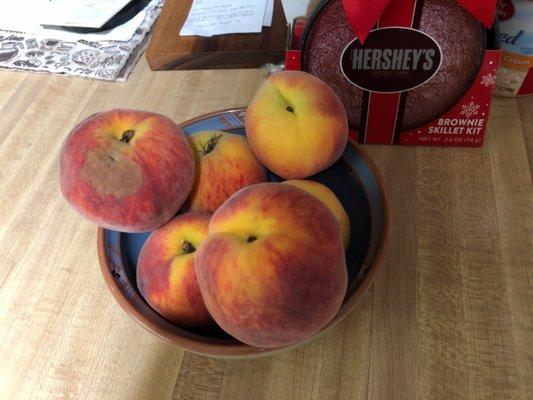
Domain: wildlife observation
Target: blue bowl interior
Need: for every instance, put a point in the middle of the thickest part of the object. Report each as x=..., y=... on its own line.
x=350, y=179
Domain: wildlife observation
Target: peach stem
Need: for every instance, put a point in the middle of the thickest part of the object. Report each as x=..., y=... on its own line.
x=187, y=247
x=127, y=136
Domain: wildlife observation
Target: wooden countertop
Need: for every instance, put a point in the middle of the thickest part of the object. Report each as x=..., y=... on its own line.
x=449, y=317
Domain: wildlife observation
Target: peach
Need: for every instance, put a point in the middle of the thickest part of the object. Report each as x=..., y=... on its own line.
x=224, y=164
x=272, y=271
x=296, y=125
x=322, y=192
x=165, y=270
x=127, y=170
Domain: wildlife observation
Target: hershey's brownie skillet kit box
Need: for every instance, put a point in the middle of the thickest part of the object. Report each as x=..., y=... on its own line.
x=407, y=71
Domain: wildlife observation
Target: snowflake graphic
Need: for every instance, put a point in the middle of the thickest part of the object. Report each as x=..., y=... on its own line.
x=488, y=79
x=470, y=109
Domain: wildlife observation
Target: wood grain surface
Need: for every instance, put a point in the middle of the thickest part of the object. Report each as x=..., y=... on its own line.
x=167, y=50
x=449, y=317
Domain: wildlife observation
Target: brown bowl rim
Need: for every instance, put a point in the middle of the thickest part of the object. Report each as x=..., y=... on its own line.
x=241, y=350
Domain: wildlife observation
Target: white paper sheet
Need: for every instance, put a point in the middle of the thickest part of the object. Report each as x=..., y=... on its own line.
x=26, y=16
x=22, y=15
x=294, y=8
x=269, y=13
x=82, y=13
x=217, y=17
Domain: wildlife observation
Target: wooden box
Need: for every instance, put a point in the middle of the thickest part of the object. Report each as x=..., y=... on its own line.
x=167, y=50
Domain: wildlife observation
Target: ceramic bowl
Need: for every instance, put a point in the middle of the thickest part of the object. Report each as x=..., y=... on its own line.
x=355, y=180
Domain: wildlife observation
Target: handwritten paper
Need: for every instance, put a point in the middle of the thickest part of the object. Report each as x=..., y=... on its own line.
x=217, y=17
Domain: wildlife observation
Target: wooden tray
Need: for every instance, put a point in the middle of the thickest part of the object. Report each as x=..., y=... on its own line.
x=167, y=50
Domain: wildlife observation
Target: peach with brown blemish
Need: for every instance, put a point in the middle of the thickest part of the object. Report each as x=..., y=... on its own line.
x=127, y=170
x=272, y=271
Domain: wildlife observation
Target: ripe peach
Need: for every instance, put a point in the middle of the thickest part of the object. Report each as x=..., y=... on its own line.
x=296, y=125
x=165, y=270
x=224, y=164
x=325, y=194
x=272, y=271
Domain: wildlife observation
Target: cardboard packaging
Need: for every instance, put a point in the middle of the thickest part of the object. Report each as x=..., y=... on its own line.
x=408, y=72
x=515, y=75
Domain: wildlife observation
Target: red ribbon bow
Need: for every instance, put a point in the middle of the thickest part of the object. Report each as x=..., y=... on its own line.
x=363, y=14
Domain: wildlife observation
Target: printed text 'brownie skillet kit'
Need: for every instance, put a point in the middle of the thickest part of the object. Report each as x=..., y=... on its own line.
x=407, y=71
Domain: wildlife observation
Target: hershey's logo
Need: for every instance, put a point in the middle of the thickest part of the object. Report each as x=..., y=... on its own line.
x=392, y=59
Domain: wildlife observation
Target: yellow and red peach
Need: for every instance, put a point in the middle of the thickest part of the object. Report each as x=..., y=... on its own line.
x=165, y=270
x=272, y=271
x=296, y=124
x=224, y=164
x=329, y=198
x=127, y=170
